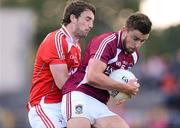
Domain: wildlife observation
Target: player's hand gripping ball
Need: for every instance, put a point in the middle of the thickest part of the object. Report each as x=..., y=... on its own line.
x=122, y=76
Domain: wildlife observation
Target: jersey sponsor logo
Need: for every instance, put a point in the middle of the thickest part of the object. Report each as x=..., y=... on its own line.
x=79, y=109
x=117, y=65
x=108, y=70
x=74, y=59
x=122, y=64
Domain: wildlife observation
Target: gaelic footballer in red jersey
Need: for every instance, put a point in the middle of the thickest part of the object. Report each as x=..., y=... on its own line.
x=89, y=86
x=58, y=57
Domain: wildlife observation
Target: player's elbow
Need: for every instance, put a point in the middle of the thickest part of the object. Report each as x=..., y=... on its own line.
x=91, y=78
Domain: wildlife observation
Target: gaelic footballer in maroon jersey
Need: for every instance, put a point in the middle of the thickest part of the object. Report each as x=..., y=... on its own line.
x=90, y=84
x=103, y=48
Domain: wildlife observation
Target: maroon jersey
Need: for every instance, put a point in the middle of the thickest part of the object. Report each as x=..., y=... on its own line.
x=108, y=48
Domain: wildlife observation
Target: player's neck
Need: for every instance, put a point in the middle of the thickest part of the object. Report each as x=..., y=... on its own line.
x=71, y=30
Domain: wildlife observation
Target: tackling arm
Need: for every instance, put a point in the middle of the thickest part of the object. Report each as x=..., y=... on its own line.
x=60, y=74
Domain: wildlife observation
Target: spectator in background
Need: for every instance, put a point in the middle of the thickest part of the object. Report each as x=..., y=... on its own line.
x=86, y=91
x=58, y=57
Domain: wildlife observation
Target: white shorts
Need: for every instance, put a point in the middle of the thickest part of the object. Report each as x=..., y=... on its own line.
x=46, y=116
x=78, y=104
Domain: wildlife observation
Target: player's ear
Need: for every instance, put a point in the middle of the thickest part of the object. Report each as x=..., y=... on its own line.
x=73, y=18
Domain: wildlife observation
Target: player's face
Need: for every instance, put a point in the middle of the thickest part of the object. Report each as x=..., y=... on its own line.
x=84, y=23
x=134, y=40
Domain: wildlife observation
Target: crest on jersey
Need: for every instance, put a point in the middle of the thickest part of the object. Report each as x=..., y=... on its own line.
x=79, y=109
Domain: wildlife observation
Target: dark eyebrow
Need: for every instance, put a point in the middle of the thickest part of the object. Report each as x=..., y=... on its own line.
x=136, y=37
x=89, y=17
x=139, y=38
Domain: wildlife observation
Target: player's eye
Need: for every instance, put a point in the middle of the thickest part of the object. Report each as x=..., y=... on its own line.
x=135, y=38
x=88, y=18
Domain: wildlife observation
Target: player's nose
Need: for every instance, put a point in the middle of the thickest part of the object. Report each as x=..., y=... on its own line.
x=91, y=24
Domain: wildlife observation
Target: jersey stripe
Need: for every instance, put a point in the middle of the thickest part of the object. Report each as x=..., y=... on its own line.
x=115, y=58
x=68, y=106
x=44, y=117
x=119, y=37
x=103, y=45
x=58, y=43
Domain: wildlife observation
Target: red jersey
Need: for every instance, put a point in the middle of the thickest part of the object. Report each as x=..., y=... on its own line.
x=57, y=48
x=108, y=48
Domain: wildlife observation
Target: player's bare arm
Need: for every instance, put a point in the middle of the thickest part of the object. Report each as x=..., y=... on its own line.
x=60, y=74
x=97, y=78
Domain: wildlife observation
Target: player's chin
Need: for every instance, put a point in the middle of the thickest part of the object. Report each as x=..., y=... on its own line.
x=84, y=34
x=130, y=51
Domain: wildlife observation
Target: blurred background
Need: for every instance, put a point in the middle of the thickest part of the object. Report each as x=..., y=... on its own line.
x=25, y=23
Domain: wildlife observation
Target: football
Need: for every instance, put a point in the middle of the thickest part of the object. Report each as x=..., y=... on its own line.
x=123, y=76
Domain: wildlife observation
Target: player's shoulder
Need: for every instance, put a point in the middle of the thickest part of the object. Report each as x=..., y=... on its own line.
x=50, y=35
x=107, y=34
x=57, y=36
x=58, y=33
x=50, y=38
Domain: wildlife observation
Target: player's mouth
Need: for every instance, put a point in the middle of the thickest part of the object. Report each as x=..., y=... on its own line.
x=132, y=49
x=87, y=30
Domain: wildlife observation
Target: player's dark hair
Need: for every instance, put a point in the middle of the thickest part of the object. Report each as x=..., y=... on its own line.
x=76, y=8
x=140, y=22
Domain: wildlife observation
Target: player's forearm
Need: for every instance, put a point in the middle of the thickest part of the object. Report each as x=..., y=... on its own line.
x=61, y=81
x=97, y=78
x=60, y=74
x=102, y=81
